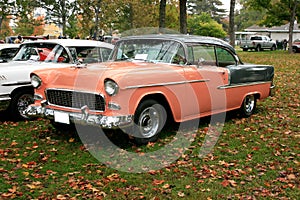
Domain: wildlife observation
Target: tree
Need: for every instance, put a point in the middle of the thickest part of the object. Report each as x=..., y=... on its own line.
x=6, y=9
x=59, y=11
x=279, y=12
x=162, y=14
x=204, y=25
x=25, y=17
x=247, y=16
x=38, y=28
x=183, y=16
x=212, y=7
x=172, y=16
x=6, y=29
x=231, y=23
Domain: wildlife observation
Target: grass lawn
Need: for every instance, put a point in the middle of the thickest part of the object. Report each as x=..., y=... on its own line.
x=254, y=158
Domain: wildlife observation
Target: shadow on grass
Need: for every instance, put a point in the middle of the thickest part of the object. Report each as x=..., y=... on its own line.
x=93, y=134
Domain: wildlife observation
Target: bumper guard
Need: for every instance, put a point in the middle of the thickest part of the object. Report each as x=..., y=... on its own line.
x=109, y=122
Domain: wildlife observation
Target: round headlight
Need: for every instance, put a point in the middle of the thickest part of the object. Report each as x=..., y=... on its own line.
x=36, y=81
x=111, y=87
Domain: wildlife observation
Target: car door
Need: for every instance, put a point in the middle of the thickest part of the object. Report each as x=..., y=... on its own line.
x=205, y=78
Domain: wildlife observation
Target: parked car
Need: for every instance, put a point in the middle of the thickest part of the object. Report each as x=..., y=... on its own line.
x=296, y=46
x=16, y=91
x=149, y=79
x=258, y=43
x=8, y=51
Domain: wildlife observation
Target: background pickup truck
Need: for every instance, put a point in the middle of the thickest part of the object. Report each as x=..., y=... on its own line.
x=258, y=43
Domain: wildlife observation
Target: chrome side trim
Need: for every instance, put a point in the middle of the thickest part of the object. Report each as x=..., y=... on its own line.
x=242, y=85
x=167, y=84
x=16, y=83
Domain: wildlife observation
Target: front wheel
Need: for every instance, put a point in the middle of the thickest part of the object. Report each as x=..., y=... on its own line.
x=248, y=106
x=150, y=118
x=19, y=102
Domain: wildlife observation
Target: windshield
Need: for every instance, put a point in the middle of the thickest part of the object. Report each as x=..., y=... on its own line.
x=43, y=52
x=153, y=50
x=46, y=52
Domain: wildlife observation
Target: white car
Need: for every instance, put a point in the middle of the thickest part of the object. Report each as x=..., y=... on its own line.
x=8, y=51
x=16, y=91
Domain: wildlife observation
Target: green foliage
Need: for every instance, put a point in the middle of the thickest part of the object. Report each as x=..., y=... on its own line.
x=172, y=16
x=72, y=28
x=278, y=12
x=59, y=11
x=248, y=17
x=204, y=25
x=212, y=7
x=5, y=29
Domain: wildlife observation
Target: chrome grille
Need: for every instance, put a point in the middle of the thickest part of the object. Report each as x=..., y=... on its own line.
x=74, y=99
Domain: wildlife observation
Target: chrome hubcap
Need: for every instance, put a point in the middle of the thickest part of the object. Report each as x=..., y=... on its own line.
x=23, y=102
x=249, y=103
x=149, y=122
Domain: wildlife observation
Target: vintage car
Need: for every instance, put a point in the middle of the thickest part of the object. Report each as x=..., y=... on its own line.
x=16, y=91
x=149, y=79
x=8, y=51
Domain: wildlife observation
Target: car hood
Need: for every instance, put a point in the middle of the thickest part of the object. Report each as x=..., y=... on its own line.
x=126, y=74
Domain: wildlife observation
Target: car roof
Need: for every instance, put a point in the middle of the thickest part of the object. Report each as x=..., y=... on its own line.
x=184, y=38
x=5, y=46
x=73, y=43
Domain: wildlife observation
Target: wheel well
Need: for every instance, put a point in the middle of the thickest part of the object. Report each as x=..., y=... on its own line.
x=19, y=89
x=162, y=100
x=257, y=96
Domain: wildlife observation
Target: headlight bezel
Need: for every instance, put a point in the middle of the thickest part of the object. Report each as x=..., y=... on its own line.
x=36, y=81
x=111, y=87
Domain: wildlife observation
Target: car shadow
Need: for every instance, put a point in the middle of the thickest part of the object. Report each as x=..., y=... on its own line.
x=105, y=138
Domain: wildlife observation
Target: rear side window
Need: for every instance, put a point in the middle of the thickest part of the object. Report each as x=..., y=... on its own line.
x=224, y=57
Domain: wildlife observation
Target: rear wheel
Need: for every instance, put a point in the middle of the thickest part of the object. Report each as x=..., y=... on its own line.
x=248, y=106
x=19, y=102
x=150, y=118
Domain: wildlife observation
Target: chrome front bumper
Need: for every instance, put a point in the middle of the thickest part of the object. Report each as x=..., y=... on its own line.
x=83, y=117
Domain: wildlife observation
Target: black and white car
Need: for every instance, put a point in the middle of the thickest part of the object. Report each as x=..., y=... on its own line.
x=16, y=91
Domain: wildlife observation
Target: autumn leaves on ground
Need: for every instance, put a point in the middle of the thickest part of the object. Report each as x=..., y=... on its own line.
x=254, y=158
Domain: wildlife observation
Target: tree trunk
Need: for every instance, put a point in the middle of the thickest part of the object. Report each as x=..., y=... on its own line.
x=1, y=20
x=183, y=16
x=291, y=28
x=231, y=23
x=162, y=15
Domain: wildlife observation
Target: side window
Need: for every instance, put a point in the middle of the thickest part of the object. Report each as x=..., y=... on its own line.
x=179, y=57
x=224, y=57
x=202, y=55
x=105, y=54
